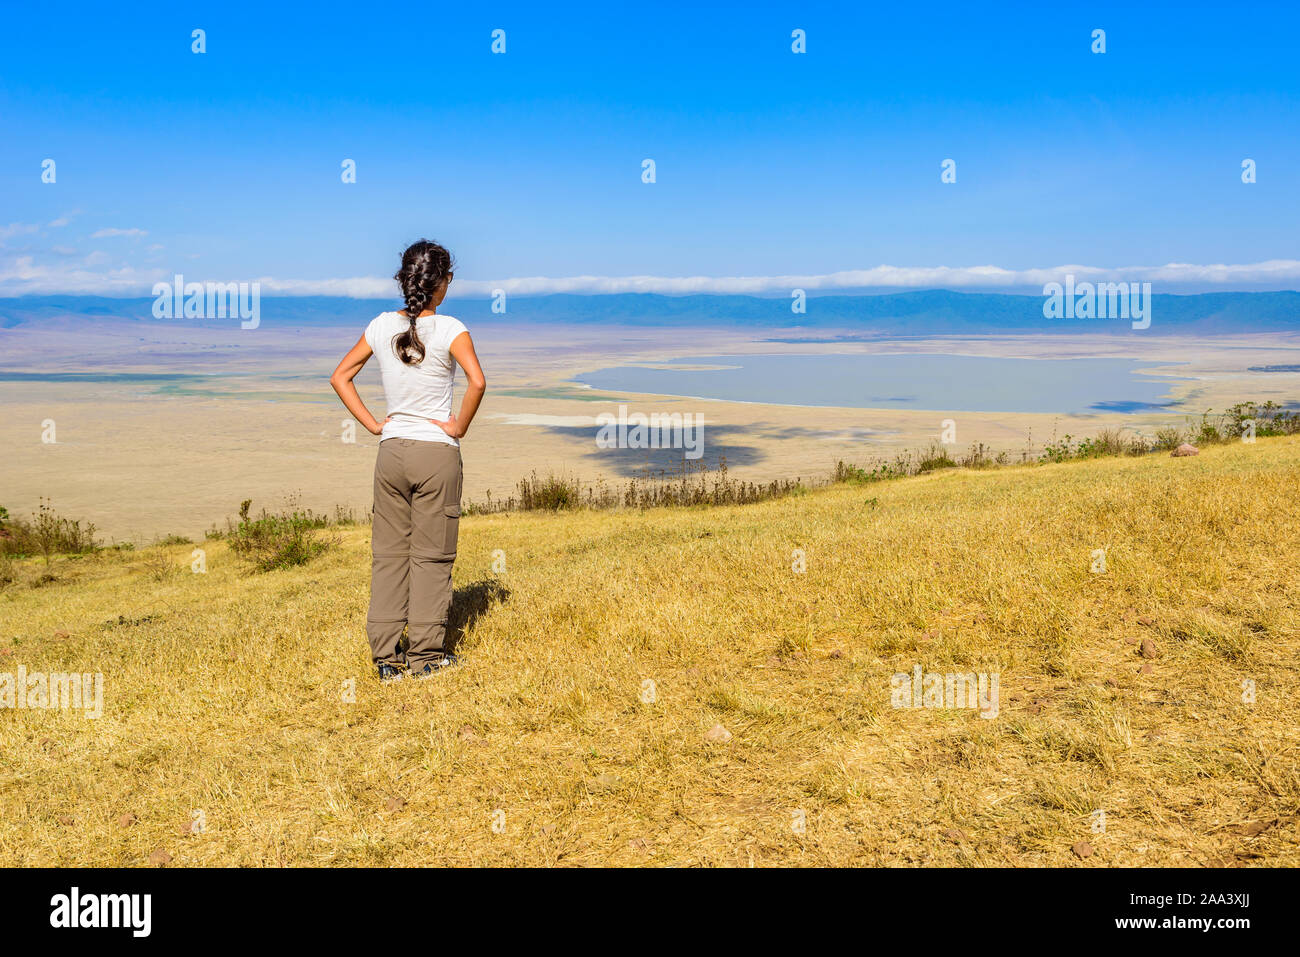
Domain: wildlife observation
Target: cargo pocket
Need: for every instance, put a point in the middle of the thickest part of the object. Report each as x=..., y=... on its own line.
x=452, y=523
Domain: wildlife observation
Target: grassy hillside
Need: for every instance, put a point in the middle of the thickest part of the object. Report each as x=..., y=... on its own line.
x=225, y=691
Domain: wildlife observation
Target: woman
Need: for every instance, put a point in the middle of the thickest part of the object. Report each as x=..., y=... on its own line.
x=418, y=469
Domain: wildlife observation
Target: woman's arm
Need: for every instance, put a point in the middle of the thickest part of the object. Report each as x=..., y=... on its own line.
x=462, y=350
x=342, y=378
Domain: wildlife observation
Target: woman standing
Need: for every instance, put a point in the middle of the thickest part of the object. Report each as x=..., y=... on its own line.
x=418, y=469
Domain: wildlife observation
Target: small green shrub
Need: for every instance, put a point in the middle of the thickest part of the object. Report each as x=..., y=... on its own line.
x=981, y=456
x=933, y=459
x=552, y=493
x=8, y=571
x=1168, y=438
x=47, y=534
x=282, y=540
x=345, y=516
x=847, y=472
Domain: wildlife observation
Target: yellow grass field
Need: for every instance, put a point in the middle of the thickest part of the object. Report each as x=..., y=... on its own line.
x=594, y=665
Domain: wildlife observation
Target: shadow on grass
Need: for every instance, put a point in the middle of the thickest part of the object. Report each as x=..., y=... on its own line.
x=468, y=604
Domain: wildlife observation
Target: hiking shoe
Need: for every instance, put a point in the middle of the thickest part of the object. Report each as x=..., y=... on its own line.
x=388, y=673
x=438, y=664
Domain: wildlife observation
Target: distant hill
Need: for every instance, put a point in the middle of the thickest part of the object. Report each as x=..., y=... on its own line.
x=920, y=313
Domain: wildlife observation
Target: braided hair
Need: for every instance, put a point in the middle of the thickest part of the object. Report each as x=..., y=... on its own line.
x=426, y=268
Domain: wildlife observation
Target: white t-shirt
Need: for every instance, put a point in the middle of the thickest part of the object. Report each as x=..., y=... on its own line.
x=421, y=392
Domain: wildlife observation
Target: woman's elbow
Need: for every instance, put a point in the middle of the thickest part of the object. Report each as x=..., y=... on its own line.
x=478, y=383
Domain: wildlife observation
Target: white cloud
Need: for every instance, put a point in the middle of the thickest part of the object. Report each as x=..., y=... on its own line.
x=23, y=275
x=894, y=277
x=18, y=229
x=1278, y=271
x=111, y=232
x=29, y=229
x=361, y=288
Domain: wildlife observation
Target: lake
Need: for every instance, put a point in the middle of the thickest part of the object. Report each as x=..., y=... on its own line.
x=945, y=383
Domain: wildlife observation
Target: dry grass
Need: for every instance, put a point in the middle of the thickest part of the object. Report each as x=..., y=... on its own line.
x=224, y=689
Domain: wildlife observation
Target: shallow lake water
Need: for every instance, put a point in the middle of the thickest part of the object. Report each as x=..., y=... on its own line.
x=938, y=382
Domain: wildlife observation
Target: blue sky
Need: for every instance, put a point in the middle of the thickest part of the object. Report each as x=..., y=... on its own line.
x=226, y=165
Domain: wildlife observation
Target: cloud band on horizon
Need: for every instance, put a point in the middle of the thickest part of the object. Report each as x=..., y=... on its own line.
x=22, y=277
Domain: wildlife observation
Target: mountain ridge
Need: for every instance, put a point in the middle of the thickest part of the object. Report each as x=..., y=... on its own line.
x=915, y=312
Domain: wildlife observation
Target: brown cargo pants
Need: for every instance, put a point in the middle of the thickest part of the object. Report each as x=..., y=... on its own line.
x=413, y=542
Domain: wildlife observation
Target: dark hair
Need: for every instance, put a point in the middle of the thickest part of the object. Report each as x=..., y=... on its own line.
x=426, y=268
